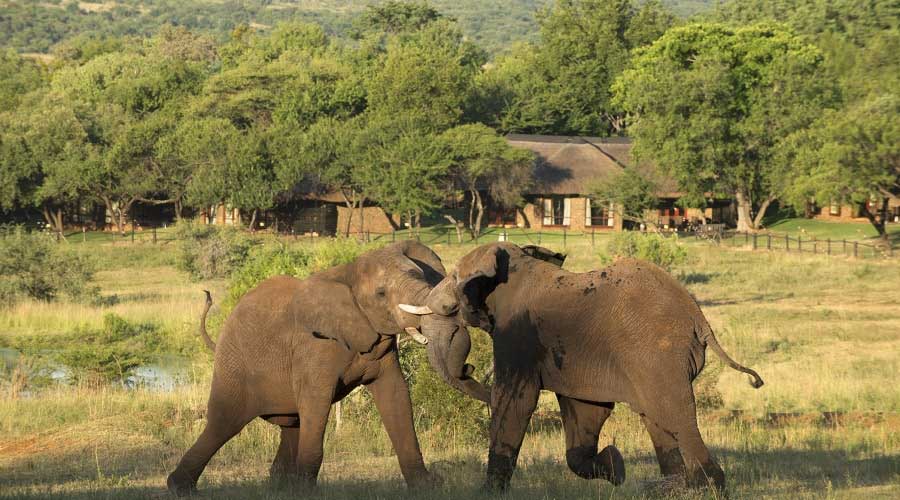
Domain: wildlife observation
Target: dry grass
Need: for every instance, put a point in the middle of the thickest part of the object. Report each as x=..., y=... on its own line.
x=824, y=333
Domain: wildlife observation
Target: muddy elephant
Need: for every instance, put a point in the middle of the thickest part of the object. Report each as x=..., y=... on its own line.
x=627, y=333
x=291, y=348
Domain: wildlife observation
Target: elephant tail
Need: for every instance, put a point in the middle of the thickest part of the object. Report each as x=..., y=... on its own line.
x=710, y=339
x=206, y=339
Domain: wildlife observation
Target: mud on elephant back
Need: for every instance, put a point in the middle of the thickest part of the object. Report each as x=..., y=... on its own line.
x=626, y=333
x=291, y=348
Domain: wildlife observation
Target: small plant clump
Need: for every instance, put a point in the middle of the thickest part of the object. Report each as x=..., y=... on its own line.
x=34, y=266
x=207, y=252
x=96, y=356
x=663, y=251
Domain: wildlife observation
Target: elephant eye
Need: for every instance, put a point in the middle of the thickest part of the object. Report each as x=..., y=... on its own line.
x=380, y=291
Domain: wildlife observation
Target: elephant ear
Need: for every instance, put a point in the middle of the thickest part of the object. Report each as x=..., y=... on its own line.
x=426, y=259
x=476, y=278
x=545, y=254
x=334, y=314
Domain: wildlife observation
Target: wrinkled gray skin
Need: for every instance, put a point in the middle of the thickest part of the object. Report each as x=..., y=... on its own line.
x=291, y=348
x=627, y=333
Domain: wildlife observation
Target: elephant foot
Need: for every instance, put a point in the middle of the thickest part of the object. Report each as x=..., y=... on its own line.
x=427, y=481
x=612, y=465
x=181, y=486
x=708, y=476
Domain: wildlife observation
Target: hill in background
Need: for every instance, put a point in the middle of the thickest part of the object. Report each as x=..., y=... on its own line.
x=30, y=26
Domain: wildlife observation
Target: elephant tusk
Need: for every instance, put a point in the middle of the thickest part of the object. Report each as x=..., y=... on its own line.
x=417, y=310
x=416, y=335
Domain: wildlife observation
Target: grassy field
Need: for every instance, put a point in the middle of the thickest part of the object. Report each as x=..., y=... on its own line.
x=823, y=332
x=822, y=229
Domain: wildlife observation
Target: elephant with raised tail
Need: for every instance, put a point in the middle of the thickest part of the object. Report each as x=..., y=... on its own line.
x=291, y=348
x=627, y=333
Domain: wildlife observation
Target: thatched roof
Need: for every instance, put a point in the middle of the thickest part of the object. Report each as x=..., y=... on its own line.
x=569, y=165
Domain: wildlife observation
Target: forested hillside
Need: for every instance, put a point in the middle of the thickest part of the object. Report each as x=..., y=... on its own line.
x=30, y=26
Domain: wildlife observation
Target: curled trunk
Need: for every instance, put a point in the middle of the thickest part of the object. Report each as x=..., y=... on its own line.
x=448, y=347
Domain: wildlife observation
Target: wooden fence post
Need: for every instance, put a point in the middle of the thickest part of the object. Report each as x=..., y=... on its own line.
x=787, y=243
x=855, y=248
x=829, y=246
x=746, y=237
x=393, y=235
x=539, y=237
x=754, y=241
x=844, y=251
x=768, y=242
x=154, y=235
x=564, y=237
x=800, y=244
x=592, y=237
x=815, y=245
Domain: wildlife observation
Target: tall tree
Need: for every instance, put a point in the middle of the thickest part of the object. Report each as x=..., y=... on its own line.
x=482, y=161
x=562, y=85
x=851, y=155
x=712, y=105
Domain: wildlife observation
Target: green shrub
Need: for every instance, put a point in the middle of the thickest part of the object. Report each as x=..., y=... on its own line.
x=34, y=265
x=103, y=355
x=207, y=251
x=298, y=261
x=660, y=250
x=442, y=409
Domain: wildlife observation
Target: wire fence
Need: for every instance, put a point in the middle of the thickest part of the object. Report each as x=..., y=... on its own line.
x=557, y=238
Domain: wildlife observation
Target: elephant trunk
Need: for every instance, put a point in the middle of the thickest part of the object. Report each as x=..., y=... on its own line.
x=448, y=347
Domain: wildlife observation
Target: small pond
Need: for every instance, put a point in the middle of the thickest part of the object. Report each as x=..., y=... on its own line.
x=164, y=374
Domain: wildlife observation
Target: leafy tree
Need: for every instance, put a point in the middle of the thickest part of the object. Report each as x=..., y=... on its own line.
x=395, y=17
x=18, y=76
x=45, y=151
x=483, y=161
x=405, y=172
x=631, y=194
x=712, y=106
x=562, y=85
x=426, y=77
x=851, y=155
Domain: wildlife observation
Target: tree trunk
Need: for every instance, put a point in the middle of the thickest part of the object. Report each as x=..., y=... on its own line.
x=879, y=219
x=456, y=225
x=179, y=209
x=745, y=221
x=362, y=223
x=253, y=220
x=59, y=221
x=479, y=212
x=757, y=221
x=350, y=206
x=472, y=213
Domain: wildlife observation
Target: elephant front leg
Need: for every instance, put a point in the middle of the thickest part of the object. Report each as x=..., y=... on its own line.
x=314, y=408
x=391, y=395
x=582, y=422
x=513, y=400
x=285, y=462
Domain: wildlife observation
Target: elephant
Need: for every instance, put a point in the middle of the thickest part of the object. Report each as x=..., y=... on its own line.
x=291, y=348
x=626, y=333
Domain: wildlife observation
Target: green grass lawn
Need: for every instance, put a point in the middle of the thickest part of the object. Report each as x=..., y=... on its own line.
x=835, y=230
x=824, y=332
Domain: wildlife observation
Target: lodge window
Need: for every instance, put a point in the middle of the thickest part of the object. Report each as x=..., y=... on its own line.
x=834, y=208
x=557, y=211
x=598, y=213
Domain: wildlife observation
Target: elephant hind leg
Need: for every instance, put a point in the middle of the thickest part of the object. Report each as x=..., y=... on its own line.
x=667, y=452
x=219, y=429
x=285, y=463
x=675, y=413
x=582, y=422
